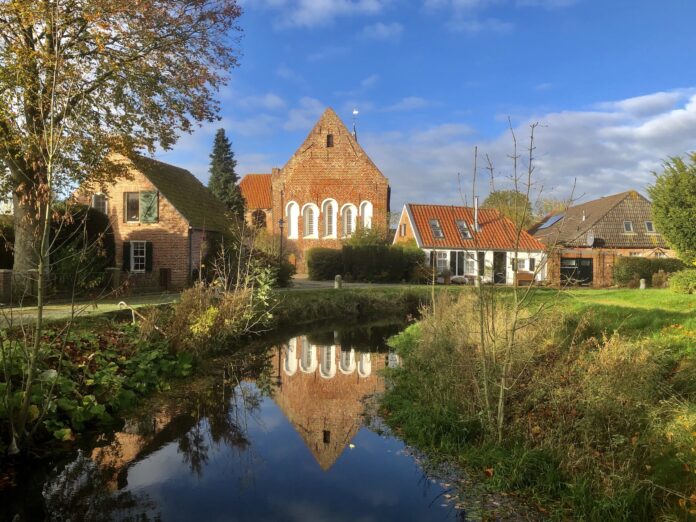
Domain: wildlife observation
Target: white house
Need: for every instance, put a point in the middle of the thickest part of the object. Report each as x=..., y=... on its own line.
x=469, y=241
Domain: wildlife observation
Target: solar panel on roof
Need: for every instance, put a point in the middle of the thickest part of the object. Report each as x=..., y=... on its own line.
x=552, y=220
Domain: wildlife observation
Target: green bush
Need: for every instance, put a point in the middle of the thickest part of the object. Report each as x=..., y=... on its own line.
x=684, y=281
x=324, y=263
x=370, y=263
x=628, y=270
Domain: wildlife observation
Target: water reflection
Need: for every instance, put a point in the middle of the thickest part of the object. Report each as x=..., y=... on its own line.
x=278, y=434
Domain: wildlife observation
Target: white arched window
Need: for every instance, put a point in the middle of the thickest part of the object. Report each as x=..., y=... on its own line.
x=329, y=210
x=310, y=214
x=365, y=365
x=290, y=364
x=308, y=360
x=328, y=363
x=366, y=214
x=292, y=214
x=347, y=361
x=348, y=218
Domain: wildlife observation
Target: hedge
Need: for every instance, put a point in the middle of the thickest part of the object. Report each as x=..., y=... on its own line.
x=369, y=263
x=629, y=270
x=684, y=281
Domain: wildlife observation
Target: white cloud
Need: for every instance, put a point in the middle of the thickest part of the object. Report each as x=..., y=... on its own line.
x=607, y=150
x=325, y=53
x=383, y=32
x=313, y=13
x=304, y=116
x=409, y=103
x=370, y=81
x=269, y=101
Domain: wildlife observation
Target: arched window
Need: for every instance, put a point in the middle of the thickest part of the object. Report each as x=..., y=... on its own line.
x=328, y=364
x=348, y=217
x=290, y=363
x=329, y=209
x=308, y=360
x=258, y=219
x=310, y=212
x=365, y=365
x=366, y=214
x=292, y=214
x=347, y=362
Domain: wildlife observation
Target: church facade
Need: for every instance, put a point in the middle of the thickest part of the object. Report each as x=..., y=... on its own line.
x=325, y=192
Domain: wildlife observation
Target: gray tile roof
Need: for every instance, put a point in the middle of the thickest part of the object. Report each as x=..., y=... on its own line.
x=600, y=223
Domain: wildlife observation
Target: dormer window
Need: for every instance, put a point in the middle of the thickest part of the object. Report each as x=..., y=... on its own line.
x=463, y=228
x=649, y=227
x=628, y=227
x=436, y=229
x=329, y=140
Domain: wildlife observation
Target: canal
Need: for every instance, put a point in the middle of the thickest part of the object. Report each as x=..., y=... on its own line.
x=286, y=431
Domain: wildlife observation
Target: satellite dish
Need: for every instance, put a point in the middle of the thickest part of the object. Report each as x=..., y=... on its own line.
x=590, y=238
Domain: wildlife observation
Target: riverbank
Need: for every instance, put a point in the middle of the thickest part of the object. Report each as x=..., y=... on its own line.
x=600, y=419
x=103, y=365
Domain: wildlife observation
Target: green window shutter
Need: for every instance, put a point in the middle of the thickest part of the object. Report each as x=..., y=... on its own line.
x=126, y=256
x=148, y=256
x=148, y=207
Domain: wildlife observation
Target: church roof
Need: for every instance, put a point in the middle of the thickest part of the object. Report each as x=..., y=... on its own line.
x=256, y=189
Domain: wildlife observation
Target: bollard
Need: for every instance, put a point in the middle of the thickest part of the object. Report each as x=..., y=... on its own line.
x=642, y=284
x=338, y=282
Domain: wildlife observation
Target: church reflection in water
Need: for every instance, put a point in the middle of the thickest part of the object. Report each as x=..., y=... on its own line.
x=322, y=385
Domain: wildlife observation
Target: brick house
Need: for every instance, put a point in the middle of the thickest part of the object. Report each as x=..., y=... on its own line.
x=162, y=217
x=326, y=190
x=587, y=239
x=472, y=241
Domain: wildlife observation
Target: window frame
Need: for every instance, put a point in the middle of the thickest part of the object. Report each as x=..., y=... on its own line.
x=531, y=264
x=436, y=228
x=309, y=222
x=329, y=140
x=126, y=209
x=133, y=256
x=402, y=230
x=651, y=229
x=463, y=229
x=442, y=255
x=106, y=202
x=630, y=227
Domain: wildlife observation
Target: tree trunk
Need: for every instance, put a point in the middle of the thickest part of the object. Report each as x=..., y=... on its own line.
x=28, y=229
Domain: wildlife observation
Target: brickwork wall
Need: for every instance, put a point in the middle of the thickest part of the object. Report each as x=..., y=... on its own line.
x=317, y=172
x=169, y=236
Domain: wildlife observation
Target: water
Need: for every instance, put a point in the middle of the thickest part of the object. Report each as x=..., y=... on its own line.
x=277, y=434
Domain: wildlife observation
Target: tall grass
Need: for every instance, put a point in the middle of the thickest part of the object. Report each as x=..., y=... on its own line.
x=600, y=420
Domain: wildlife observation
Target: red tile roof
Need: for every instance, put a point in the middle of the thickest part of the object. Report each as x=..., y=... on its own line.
x=256, y=189
x=497, y=232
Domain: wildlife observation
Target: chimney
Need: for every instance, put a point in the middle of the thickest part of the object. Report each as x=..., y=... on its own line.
x=476, y=222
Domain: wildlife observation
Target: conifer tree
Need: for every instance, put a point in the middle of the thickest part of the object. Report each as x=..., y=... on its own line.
x=223, y=178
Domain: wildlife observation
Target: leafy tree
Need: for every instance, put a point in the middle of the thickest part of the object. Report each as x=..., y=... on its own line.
x=79, y=80
x=223, y=178
x=82, y=78
x=512, y=204
x=674, y=205
x=367, y=236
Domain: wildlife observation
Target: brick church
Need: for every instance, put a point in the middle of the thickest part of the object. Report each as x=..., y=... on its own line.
x=326, y=190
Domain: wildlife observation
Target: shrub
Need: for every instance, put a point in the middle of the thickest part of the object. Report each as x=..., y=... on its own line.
x=324, y=263
x=629, y=270
x=684, y=281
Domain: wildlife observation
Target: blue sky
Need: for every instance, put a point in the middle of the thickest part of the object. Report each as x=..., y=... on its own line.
x=611, y=84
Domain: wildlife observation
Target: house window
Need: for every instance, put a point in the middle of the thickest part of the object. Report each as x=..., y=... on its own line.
x=470, y=263
x=329, y=217
x=133, y=206
x=366, y=214
x=258, y=219
x=99, y=203
x=531, y=264
x=138, y=256
x=442, y=261
x=436, y=229
x=649, y=227
x=329, y=140
x=463, y=229
x=402, y=231
x=347, y=221
x=628, y=227
x=292, y=213
x=309, y=222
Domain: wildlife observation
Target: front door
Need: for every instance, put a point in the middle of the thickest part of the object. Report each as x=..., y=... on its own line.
x=499, y=267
